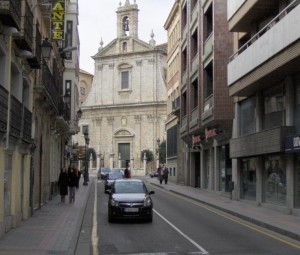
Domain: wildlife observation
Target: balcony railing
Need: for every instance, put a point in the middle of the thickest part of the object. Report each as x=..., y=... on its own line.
x=267, y=27
x=27, y=124
x=16, y=117
x=3, y=108
x=35, y=62
x=51, y=87
x=10, y=13
x=24, y=39
x=176, y=104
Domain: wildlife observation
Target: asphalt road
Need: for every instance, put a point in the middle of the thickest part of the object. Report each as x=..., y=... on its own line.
x=180, y=226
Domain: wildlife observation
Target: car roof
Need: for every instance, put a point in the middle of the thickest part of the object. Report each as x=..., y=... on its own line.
x=129, y=180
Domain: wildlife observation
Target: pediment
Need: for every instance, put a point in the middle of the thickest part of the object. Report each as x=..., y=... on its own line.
x=111, y=48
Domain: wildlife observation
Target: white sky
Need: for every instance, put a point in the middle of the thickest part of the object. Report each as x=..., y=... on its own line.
x=98, y=18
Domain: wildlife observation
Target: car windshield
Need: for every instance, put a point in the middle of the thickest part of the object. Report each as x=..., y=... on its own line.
x=105, y=170
x=129, y=187
x=114, y=176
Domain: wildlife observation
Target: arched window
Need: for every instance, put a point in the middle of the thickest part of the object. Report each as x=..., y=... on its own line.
x=126, y=26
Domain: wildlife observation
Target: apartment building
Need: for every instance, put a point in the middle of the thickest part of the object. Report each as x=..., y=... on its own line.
x=173, y=139
x=38, y=72
x=206, y=109
x=264, y=80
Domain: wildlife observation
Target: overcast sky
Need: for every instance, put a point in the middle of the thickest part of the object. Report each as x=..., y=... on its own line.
x=98, y=18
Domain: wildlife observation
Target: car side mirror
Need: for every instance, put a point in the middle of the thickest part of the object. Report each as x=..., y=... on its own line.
x=151, y=192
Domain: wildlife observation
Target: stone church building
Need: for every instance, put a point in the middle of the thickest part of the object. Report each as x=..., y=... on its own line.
x=125, y=109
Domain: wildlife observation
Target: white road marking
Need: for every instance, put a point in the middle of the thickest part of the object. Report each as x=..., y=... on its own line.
x=95, y=224
x=203, y=251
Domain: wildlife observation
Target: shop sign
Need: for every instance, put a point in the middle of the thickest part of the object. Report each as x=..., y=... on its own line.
x=210, y=133
x=292, y=144
x=58, y=20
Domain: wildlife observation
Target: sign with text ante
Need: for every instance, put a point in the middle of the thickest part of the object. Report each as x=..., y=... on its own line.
x=58, y=20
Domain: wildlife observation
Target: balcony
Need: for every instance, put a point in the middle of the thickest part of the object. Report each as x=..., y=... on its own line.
x=24, y=38
x=195, y=65
x=208, y=108
x=3, y=109
x=35, y=62
x=27, y=125
x=48, y=89
x=10, y=13
x=267, y=141
x=274, y=49
x=183, y=127
x=194, y=117
x=208, y=50
x=16, y=118
x=176, y=107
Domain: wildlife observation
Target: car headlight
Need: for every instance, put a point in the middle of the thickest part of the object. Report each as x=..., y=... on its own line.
x=114, y=202
x=147, y=201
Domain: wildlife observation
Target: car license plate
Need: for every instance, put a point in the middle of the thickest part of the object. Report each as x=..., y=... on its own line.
x=131, y=209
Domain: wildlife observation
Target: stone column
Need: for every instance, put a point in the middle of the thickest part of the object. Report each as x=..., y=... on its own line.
x=119, y=160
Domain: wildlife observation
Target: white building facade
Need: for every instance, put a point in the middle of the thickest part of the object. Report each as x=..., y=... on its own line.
x=125, y=109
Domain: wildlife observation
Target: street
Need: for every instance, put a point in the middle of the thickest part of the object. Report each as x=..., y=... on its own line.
x=180, y=226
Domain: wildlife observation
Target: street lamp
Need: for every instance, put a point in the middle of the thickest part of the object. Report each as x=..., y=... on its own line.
x=157, y=162
x=46, y=49
x=86, y=170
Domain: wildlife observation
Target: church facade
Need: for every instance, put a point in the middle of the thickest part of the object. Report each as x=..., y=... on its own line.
x=125, y=110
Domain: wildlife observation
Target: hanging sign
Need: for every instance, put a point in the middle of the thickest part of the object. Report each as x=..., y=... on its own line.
x=58, y=20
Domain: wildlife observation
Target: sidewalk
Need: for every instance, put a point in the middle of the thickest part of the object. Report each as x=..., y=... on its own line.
x=288, y=225
x=53, y=229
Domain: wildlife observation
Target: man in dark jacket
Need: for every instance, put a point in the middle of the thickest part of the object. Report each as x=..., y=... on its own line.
x=72, y=183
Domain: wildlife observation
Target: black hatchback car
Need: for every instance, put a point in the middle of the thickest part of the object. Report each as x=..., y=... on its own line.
x=130, y=199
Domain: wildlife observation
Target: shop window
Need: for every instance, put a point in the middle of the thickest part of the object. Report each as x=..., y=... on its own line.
x=297, y=182
x=248, y=179
x=247, y=116
x=297, y=106
x=275, y=180
x=7, y=184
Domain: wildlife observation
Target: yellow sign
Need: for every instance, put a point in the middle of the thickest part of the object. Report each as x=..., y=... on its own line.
x=58, y=20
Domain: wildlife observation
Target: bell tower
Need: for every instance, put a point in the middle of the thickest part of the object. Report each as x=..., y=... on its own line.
x=127, y=20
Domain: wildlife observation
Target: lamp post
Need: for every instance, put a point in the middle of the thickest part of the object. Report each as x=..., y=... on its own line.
x=86, y=170
x=157, y=162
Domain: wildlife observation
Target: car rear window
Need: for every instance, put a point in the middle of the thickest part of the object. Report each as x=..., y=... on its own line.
x=129, y=187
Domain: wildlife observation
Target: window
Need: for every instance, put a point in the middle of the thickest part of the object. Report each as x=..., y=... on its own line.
x=194, y=43
x=125, y=80
x=85, y=129
x=172, y=141
x=68, y=41
x=275, y=180
x=68, y=87
x=273, y=108
x=194, y=94
x=247, y=116
x=209, y=80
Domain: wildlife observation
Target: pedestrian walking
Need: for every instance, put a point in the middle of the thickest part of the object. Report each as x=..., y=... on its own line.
x=160, y=174
x=166, y=174
x=127, y=172
x=78, y=174
x=72, y=182
x=63, y=184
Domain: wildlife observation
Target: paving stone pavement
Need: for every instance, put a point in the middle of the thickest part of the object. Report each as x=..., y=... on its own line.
x=51, y=230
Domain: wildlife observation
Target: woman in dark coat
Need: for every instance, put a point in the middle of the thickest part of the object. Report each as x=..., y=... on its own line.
x=63, y=184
